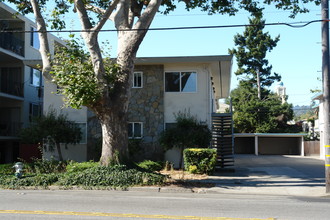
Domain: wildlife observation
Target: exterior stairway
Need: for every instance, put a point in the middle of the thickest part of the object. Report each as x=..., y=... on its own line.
x=223, y=139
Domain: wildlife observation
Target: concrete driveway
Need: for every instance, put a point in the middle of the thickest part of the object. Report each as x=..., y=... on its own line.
x=272, y=174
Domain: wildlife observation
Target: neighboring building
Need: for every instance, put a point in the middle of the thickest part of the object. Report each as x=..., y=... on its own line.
x=319, y=122
x=161, y=87
x=21, y=83
x=280, y=90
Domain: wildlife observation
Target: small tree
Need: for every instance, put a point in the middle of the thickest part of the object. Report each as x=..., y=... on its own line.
x=56, y=129
x=187, y=132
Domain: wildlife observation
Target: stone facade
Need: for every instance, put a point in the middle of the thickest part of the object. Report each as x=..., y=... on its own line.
x=147, y=106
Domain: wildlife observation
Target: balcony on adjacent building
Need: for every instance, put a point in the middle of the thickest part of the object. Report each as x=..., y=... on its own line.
x=10, y=129
x=9, y=42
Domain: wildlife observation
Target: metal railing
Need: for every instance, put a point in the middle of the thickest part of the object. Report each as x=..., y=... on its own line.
x=11, y=129
x=9, y=42
x=12, y=87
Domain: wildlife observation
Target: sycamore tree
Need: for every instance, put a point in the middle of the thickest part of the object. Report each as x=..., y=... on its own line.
x=132, y=18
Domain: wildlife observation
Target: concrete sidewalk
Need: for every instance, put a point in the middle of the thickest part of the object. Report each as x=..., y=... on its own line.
x=271, y=175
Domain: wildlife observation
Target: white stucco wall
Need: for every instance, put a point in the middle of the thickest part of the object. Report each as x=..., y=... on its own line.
x=197, y=103
x=76, y=152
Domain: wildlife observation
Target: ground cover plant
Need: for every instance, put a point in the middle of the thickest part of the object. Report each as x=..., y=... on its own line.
x=69, y=174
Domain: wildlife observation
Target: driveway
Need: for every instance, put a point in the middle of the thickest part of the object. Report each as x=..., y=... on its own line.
x=272, y=174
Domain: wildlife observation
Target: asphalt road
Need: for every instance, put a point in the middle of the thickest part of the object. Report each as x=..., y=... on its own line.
x=57, y=204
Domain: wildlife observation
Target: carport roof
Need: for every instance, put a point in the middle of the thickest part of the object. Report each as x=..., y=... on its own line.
x=269, y=134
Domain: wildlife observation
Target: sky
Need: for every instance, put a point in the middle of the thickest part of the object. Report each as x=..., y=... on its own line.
x=297, y=56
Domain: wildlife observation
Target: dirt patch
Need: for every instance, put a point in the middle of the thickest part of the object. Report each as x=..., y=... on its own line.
x=179, y=178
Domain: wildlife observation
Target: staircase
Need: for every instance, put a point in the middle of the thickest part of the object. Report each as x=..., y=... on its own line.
x=223, y=139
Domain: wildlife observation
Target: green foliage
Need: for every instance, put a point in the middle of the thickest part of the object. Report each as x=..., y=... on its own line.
x=200, y=160
x=6, y=169
x=251, y=51
x=111, y=177
x=252, y=115
x=187, y=132
x=151, y=165
x=43, y=166
x=74, y=167
x=37, y=180
x=52, y=128
x=73, y=71
x=87, y=175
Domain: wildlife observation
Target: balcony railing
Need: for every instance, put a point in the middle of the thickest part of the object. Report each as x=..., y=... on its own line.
x=12, y=88
x=11, y=129
x=9, y=42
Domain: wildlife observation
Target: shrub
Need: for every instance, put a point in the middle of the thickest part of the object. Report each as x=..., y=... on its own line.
x=151, y=165
x=117, y=176
x=200, y=160
x=6, y=169
x=78, y=167
x=43, y=180
x=46, y=166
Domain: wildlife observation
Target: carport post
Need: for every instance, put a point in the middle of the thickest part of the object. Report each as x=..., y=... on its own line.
x=302, y=149
x=256, y=145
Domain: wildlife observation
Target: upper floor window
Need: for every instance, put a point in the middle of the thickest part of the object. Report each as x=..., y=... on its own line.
x=137, y=79
x=35, y=77
x=34, y=38
x=135, y=129
x=180, y=82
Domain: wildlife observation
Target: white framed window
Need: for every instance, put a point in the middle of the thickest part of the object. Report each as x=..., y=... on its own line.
x=138, y=80
x=34, y=38
x=180, y=82
x=135, y=130
x=83, y=130
x=35, y=77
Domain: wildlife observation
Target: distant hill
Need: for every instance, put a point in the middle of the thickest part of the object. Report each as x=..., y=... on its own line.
x=301, y=110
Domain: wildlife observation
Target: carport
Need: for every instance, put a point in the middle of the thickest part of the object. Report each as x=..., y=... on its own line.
x=269, y=143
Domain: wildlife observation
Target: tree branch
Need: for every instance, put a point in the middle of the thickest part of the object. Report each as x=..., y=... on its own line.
x=83, y=16
x=148, y=15
x=44, y=45
x=106, y=15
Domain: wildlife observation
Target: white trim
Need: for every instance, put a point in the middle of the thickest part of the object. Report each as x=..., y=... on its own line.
x=141, y=126
x=137, y=87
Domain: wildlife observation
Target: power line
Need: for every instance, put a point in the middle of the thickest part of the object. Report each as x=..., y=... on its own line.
x=292, y=25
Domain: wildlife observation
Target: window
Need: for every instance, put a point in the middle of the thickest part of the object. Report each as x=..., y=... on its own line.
x=180, y=82
x=135, y=129
x=34, y=111
x=83, y=130
x=137, y=79
x=35, y=77
x=34, y=38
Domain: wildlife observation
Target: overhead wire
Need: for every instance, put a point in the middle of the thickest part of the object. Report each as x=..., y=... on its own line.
x=292, y=25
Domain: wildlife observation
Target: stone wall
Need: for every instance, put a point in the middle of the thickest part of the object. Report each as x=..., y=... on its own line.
x=147, y=106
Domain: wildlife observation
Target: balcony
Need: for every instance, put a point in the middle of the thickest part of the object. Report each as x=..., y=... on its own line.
x=12, y=87
x=10, y=42
x=10, y=129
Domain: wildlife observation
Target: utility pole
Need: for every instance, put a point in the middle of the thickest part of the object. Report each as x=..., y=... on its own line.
x=326, y=89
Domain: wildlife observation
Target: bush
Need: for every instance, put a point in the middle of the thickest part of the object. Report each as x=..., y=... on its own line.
x=200, y=160
x=78, y=167
x=151, y=165
x=43, y=180
x=46, y=166
x=6, y=169
x=117, y=176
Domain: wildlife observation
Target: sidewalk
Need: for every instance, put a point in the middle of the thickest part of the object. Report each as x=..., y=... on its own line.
x=271, y=175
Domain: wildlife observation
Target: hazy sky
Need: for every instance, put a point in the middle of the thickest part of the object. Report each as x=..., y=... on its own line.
x=297, y=56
